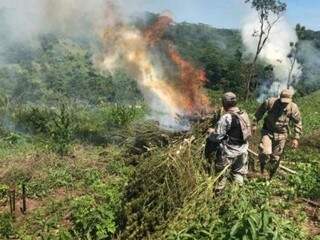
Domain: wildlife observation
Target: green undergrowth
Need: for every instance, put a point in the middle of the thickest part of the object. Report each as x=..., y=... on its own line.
x=150, y=184
x=78, y=196
x=310, y=110
x=239, y=213
x=306, y=162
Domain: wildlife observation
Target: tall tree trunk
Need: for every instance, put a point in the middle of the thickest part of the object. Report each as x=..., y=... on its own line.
x=250, y=78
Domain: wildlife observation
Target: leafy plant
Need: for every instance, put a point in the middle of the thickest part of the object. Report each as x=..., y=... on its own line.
x=34, y=119
x=122, y=115
x=95, y=216
x=6, y=225
x=61, y=130
x=239, y=213
x=3, y=192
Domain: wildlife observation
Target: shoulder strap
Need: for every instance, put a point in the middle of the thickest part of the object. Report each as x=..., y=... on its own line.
x=270, y=103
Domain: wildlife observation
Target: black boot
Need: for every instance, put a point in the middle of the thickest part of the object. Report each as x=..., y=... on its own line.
x=263, y=158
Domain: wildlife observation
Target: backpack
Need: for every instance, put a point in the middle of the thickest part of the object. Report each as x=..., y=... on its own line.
x=245, y=124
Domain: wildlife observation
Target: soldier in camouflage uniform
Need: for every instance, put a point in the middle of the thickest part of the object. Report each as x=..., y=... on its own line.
x=233, y=150
x=280, y=113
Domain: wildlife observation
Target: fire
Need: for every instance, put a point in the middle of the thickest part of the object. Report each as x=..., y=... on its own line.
x=155, y=32
x=192, y=81
x=170, y=91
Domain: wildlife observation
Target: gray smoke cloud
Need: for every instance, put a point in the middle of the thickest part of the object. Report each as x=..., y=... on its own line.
x=22, y=22
x=309, y=55
x=275, y=53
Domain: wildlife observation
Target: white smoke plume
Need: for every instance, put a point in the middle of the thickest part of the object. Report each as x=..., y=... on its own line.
x=310, y=56
x=171, y=86
x=169, y=92
x=25, y=20
x=274, y=53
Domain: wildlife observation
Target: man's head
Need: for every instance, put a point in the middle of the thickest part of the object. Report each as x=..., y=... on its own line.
x=286, y=96
x=229, y=100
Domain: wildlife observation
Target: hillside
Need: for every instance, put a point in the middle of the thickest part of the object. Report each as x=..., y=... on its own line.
x=56, y=65
x=94, y=165
x=117, y=190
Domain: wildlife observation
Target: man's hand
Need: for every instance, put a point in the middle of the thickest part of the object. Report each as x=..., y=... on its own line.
x=211, y=130
x=254, y=129
x=295, y=144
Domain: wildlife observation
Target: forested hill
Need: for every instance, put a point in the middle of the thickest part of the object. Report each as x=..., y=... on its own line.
x=33, y=70
x=81, y=159
x=218, y=51
x=222, y=54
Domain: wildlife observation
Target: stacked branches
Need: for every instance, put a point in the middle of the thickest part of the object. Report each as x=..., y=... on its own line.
x=165, y=176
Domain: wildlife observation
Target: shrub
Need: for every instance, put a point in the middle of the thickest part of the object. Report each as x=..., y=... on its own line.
x=239, y=213
x=95, y=216
x=306, y=182
x=121, y=115
x=6, y=225
x=33, y=119
x=3, y=192
x=62, y=130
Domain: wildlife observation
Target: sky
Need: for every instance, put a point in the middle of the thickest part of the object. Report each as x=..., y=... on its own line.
x=230, y=13
x=217, y=13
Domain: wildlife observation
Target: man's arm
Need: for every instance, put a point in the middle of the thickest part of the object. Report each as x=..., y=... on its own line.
x=259, y=115
x=261, y=111
x=297, y=122
x=224, y=124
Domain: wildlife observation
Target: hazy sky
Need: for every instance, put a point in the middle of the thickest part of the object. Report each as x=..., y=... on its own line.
x=229, y=13
x=218, y=13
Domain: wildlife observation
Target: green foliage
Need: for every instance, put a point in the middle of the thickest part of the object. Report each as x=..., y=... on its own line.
x=100, y=125
x=62, y=67
x=14, y=138
x=153, y=185
x=62, y=130
x=268, y=6
x=33, y=119
x=309, y=107
x=3, y=192
x=121, y=116
x=239, y=213
x=6, y=225
x=94, y=216
x=306, y=181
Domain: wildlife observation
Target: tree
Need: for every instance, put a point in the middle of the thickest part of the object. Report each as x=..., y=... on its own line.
x=293, y=55
x=269, y=13
x=301, y=32
x=294, y=52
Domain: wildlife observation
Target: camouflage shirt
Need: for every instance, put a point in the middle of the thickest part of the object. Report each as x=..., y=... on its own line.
x=278, y=117
x=223, y=127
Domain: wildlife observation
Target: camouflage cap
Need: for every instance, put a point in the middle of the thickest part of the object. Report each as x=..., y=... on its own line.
x=229, y=97
x=286, y=96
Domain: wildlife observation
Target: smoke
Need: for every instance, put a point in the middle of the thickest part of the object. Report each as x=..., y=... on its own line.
x=171, y=86
x=27, y=19
x=275, y=53
x=309, y=55
x=22, y=22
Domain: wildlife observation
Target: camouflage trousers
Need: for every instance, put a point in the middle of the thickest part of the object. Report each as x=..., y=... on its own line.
x=271, y=149
x=236, y=172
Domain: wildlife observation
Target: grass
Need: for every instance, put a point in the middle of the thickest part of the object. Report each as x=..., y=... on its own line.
x=310, y=110
x=128, y=191
x=55, y=184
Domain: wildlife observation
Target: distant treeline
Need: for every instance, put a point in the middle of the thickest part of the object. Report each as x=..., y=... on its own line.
x=54, y=66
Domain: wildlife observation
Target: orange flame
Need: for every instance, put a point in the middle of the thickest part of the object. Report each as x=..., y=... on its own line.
x=156, y=31
x=174, y=90
x=191, y=82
